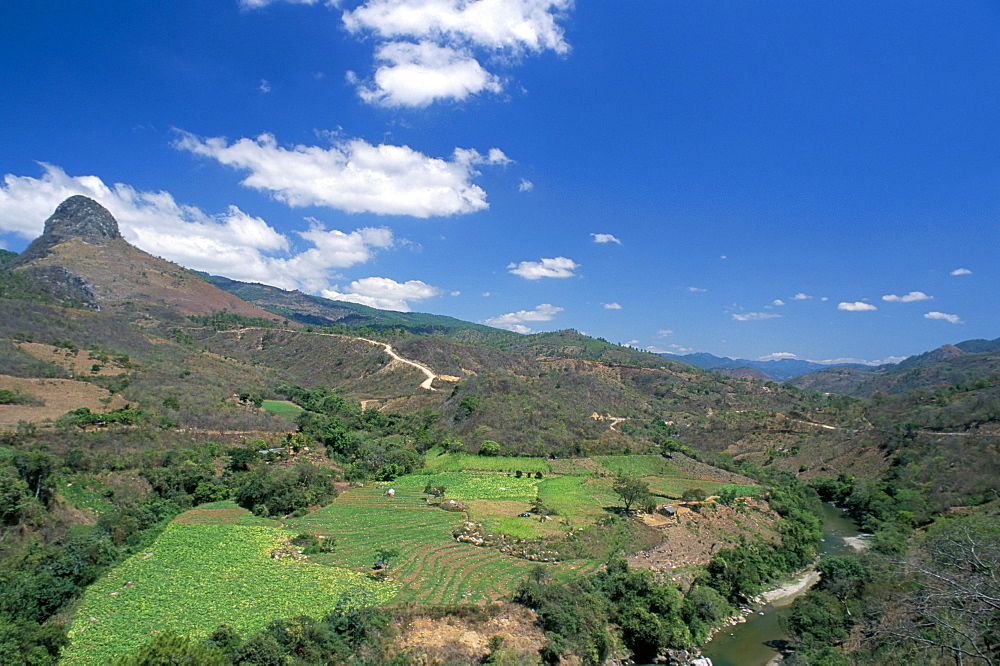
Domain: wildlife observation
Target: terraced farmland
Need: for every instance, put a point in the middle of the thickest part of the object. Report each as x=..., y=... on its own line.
x=432, y=567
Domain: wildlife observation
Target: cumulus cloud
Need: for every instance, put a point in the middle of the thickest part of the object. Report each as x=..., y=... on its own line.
x=755, y=316
x=907, y=298
x=353, y=175
x=419, y=74
x=777, y=356
x=383, y=293
x=801, y=296
x=605, y=238
x=777, y=302
x=612, y=306
x=961, y=271
x=525, y=186
x=232, y=243
x=514, y=321
x=515, y=26
x=857, y=306
x=557, y=267
x=950, y=318
x=430, y=50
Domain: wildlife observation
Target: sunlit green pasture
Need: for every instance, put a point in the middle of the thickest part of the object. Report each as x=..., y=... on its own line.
x=281, y=408
x=469, y=485
x=456, y=462
x=637, y=465
x=196, y=576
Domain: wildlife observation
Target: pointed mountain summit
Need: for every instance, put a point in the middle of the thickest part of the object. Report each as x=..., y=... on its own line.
x=77, y=218
x=83, y=257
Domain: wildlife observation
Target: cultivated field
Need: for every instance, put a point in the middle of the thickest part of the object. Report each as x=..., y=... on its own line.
x=214, y=564
x=432, y=568
x=207, y=567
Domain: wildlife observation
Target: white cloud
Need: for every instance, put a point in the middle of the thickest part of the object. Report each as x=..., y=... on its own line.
x=860, y=361
x=777, y=356
x=664, y=332
x=264, y=86
x=777, y=302
x=755, y=316
x=557, y=267
x=525, y=186
x=605, y=238
x=417, y=75
x=233, y=243
x=961, y=271
x=353, y=175
x=801, y=296
x=697, y=290
x=514, y=321
x=950, y=318
x=514, y=26
x=907, y=298
x=857, y=306
x=612, y=306
x=670, y=349
x=428, y=48
x=383, y=293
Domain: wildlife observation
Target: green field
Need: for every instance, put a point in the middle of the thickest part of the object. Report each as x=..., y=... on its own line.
x=456, y=462
x=664, y=478
x=197, y=574
x=432, y=567
x=213, y=564
x=281, y=408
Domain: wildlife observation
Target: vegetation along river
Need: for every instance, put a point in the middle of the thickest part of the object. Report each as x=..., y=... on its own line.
x=749, y=643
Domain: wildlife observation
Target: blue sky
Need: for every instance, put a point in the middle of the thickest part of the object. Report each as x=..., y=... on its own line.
x=773, y=179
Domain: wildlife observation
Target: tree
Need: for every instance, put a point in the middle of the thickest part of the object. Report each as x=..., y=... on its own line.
x=842, y=575
x=631, y=490
x=489, y=448
x=952, y=605
x=384, y=554
x=169, y=648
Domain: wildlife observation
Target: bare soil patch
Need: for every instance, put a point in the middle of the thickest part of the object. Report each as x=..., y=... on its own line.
x=58, y=395
x=690, y=539
x=77, y=363
x=455, y=639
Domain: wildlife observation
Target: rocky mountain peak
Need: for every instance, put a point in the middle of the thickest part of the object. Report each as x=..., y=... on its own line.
x=79, y=218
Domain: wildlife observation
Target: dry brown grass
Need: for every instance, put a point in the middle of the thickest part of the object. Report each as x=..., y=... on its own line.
x=58, y=395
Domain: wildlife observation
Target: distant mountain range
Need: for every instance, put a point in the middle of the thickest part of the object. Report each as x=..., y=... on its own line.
x=779, y=370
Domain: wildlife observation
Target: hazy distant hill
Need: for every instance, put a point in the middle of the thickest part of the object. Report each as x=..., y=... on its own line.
x=317, y=311
x=948, y=364
x=780, y=370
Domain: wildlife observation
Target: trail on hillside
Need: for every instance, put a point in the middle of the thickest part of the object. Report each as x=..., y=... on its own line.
x=426, y=384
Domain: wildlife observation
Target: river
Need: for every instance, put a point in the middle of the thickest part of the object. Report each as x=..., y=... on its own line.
x=749, y=643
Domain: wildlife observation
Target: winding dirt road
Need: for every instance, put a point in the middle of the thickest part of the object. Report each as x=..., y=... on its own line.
x=426, y=384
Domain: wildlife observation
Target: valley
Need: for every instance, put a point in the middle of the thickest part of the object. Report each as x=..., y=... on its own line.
x=233, y=474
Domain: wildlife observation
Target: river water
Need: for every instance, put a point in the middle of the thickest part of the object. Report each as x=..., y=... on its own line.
x=750, y=643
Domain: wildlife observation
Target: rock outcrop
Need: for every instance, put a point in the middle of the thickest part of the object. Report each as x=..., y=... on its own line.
x=77, y=218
